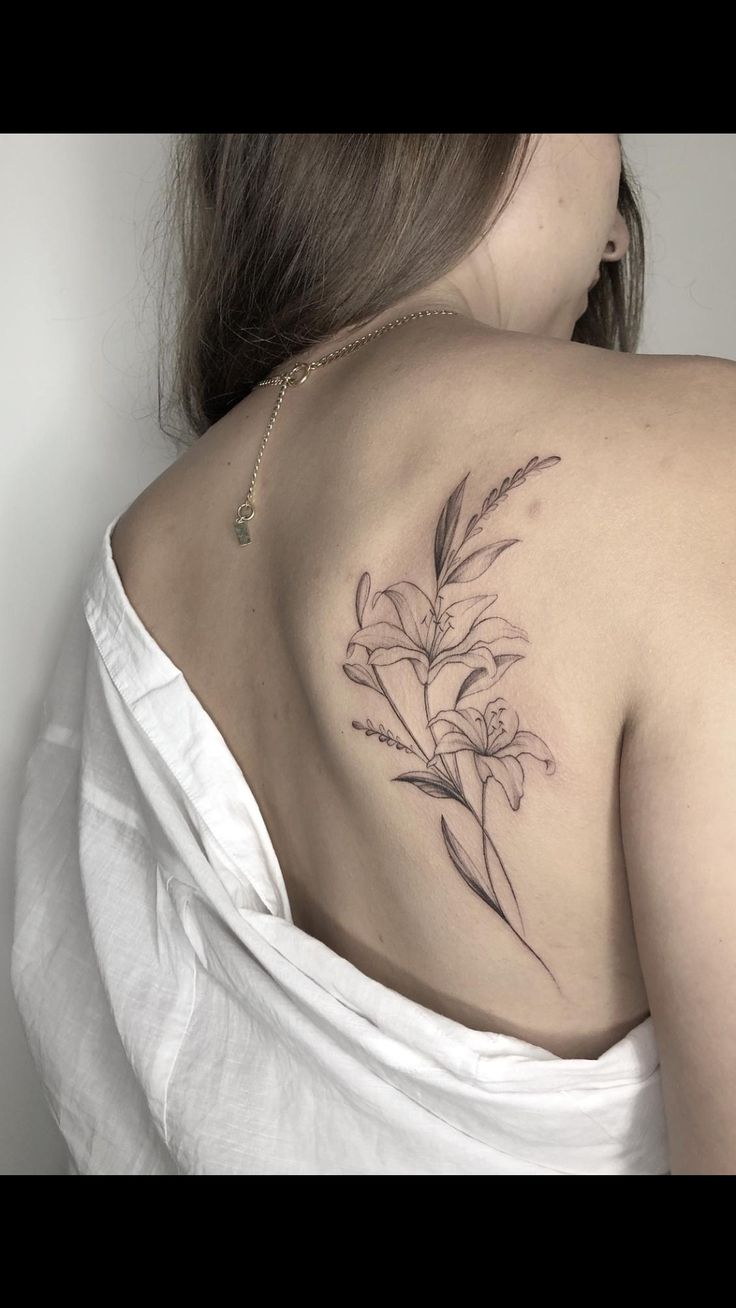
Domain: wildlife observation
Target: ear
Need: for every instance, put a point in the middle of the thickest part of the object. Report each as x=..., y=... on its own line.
x=618, y=241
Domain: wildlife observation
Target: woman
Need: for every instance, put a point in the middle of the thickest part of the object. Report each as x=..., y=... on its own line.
x=406, y=739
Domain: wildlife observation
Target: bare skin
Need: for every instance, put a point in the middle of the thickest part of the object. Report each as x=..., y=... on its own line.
x=359, y=464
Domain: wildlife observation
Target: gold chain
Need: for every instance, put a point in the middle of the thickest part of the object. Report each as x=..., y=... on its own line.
x=245, y=511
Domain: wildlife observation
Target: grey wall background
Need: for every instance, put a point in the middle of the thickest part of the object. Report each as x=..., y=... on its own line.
x=80, y=440
x=688, y=183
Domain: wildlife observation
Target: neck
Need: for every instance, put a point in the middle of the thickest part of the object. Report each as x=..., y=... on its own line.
x=410, y=304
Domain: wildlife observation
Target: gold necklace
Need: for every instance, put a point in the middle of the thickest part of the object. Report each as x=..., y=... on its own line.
x=294, y=377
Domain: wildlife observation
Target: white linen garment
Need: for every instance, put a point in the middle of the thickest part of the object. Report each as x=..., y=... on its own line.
x=179, y=1020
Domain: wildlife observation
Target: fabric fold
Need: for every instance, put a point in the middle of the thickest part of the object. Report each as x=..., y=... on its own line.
x=179, y=1019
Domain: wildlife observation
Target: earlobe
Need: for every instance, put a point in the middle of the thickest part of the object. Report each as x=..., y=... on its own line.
x=618, y=241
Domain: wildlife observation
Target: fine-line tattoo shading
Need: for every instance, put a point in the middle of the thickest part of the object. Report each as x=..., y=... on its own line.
x=456, y=641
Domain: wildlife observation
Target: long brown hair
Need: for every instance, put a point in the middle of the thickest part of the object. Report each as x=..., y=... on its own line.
x=275, y=241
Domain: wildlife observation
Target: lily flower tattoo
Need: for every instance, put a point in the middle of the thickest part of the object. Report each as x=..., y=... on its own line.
x=456, y=651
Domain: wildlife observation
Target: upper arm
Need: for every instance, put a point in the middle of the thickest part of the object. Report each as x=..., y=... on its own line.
x=678, y=788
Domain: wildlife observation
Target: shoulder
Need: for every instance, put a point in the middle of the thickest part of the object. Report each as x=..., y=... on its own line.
x=147, y=528
x=667, y=384
x=633, y=429
x=472, y=351
x=669, y=420
x=638, y=525
x=144, y=542
x=478, y=378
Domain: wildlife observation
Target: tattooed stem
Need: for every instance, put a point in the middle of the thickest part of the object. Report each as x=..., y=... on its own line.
x=445, y=765
x=402, y=720
x=499, y=909
x=501, y=913
x=449, y=764
x=489, y=849
x=526, y=945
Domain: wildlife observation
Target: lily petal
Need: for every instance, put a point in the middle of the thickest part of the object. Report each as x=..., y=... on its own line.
x=415, y=611
x=469, y=722
x=489, y=630
x=488, y=676
x=507, y=772
x=461, y=617
x=452, y=743
x=525, y=742
x=382, y=635
x=481, y=656
x=486, y=632
x=382, y=658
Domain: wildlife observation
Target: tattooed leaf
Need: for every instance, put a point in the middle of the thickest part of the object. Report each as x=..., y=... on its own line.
x=464, y=865
x=361, y=596
x=476, y=564
x=447, y=525
x=363, y=675
x=469, y=681
x=504, y=661
x=547, y=463
x=430, y=783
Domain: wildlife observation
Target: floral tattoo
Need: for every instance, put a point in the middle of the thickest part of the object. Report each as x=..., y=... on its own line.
x=470, y=746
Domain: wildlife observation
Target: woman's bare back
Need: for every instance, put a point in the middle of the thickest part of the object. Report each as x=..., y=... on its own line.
x=424, y=660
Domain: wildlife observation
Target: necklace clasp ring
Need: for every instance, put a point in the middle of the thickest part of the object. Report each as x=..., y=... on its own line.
x=297, y=381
